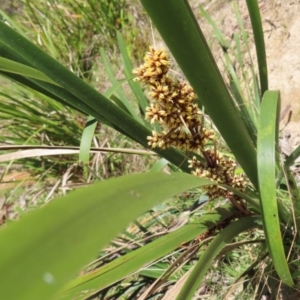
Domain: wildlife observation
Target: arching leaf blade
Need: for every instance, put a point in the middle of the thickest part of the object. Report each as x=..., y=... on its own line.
x=266, y=161
x=258, y=33
x=133, y=261
x=7, y=65
x=50, y=244
x=214, y=248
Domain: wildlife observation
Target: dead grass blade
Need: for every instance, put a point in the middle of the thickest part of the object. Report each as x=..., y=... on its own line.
x=34, y=151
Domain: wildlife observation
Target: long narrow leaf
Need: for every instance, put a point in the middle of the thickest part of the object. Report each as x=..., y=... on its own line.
x=7, y=65
x=50, y=244
x=235, y=83
x=266, y=161
x=135, y=87
x=86, y=139
x=133, y=261
x=292, y=157
x=119, y=90
x=255, y=96
x=205, y=261
x=259, y=44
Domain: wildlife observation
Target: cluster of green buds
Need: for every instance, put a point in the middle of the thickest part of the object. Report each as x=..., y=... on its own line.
x=173, y=107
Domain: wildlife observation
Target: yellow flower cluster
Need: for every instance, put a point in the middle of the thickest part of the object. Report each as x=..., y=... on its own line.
x=174, y=109
x=221, y=170
x=172, y=106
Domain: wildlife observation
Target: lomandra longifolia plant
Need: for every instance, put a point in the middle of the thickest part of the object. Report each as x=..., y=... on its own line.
x=173, y=107
x=76, y=226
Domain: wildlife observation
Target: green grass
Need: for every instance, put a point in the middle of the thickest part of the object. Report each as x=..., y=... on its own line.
x=73, y=33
